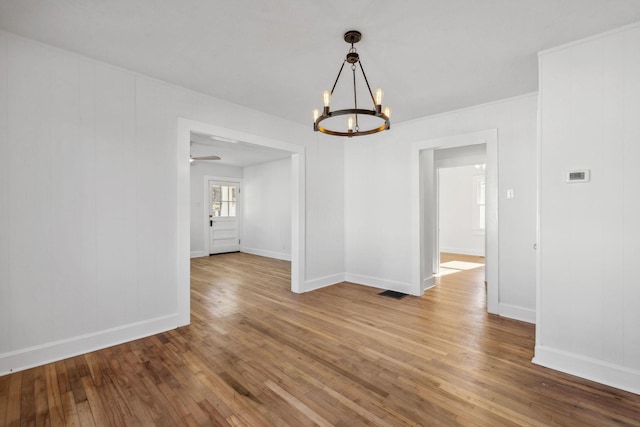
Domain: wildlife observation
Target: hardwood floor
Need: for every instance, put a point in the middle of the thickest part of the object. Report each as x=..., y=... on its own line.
x=257, y=354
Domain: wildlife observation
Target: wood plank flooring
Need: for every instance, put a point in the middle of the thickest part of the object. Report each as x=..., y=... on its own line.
x=258, y=355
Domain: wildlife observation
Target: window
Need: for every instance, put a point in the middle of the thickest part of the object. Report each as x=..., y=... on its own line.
x=479, y=205
x=223, y=200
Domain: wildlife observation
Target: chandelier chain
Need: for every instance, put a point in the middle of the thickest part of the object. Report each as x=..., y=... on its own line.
x=355, y=96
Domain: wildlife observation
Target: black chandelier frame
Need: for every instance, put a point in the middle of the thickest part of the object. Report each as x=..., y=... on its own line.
x=353, y=58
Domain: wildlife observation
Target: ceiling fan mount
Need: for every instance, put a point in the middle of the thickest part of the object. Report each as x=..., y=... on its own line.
x=194, y=158
x=205, y=158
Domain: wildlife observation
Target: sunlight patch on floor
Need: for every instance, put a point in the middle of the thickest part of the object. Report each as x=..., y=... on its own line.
x=459, y=265
x=445, y=271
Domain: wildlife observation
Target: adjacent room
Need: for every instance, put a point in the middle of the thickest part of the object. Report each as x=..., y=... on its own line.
x=319, y=213
x=461, y=199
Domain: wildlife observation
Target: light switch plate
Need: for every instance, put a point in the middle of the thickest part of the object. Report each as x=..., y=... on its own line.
x=580, y=175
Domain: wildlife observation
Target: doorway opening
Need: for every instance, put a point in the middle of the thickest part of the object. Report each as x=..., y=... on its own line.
x=295, y=156
x=426, y=247
x=461, y=209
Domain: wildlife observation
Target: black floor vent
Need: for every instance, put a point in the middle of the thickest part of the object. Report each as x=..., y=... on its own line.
x=393, y=294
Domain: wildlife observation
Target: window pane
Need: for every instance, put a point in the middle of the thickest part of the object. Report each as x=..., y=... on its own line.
x=480, y=193
x=216, y=194
x=224, y=201
x=479, y=189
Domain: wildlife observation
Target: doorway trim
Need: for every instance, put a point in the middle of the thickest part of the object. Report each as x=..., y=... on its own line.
x=183, y=209
x=422, y=275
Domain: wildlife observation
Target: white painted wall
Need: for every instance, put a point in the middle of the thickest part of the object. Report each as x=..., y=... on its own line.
x=89, y=200
x=589, y=292
x=198, y=170
x=378, y=240
x=266, y=197
x=326, y=210
x=457, y=202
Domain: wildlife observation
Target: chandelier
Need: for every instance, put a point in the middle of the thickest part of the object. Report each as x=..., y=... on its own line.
x=373, y=120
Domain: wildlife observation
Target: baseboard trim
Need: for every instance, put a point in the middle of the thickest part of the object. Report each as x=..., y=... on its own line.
x=428, y=283
x=516, y=312
x=462, y=251
x=30, y=357
x=585, y=367
x=269, y=254
x=376, y=282
x=323, y=282
x=198, y=254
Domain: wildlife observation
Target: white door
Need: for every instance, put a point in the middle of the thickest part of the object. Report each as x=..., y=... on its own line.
x=224, y=218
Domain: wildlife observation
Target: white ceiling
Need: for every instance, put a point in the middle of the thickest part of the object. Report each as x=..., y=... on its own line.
x=277, y=56
x=233, y=153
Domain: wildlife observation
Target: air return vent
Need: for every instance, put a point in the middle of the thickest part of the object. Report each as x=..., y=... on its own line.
x=393, y=294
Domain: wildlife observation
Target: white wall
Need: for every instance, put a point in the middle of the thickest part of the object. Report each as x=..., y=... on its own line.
x=89, y=200
x=378, y=240
x=589, y=292
x=326, y=208
x=198, y=170
x=266, y=221
x=457, y=203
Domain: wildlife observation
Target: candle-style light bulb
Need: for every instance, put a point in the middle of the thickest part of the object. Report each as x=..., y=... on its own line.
x=350, y=123
x=379, y=96
x=387, y=112
x=316, y=114
x=326, y=97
